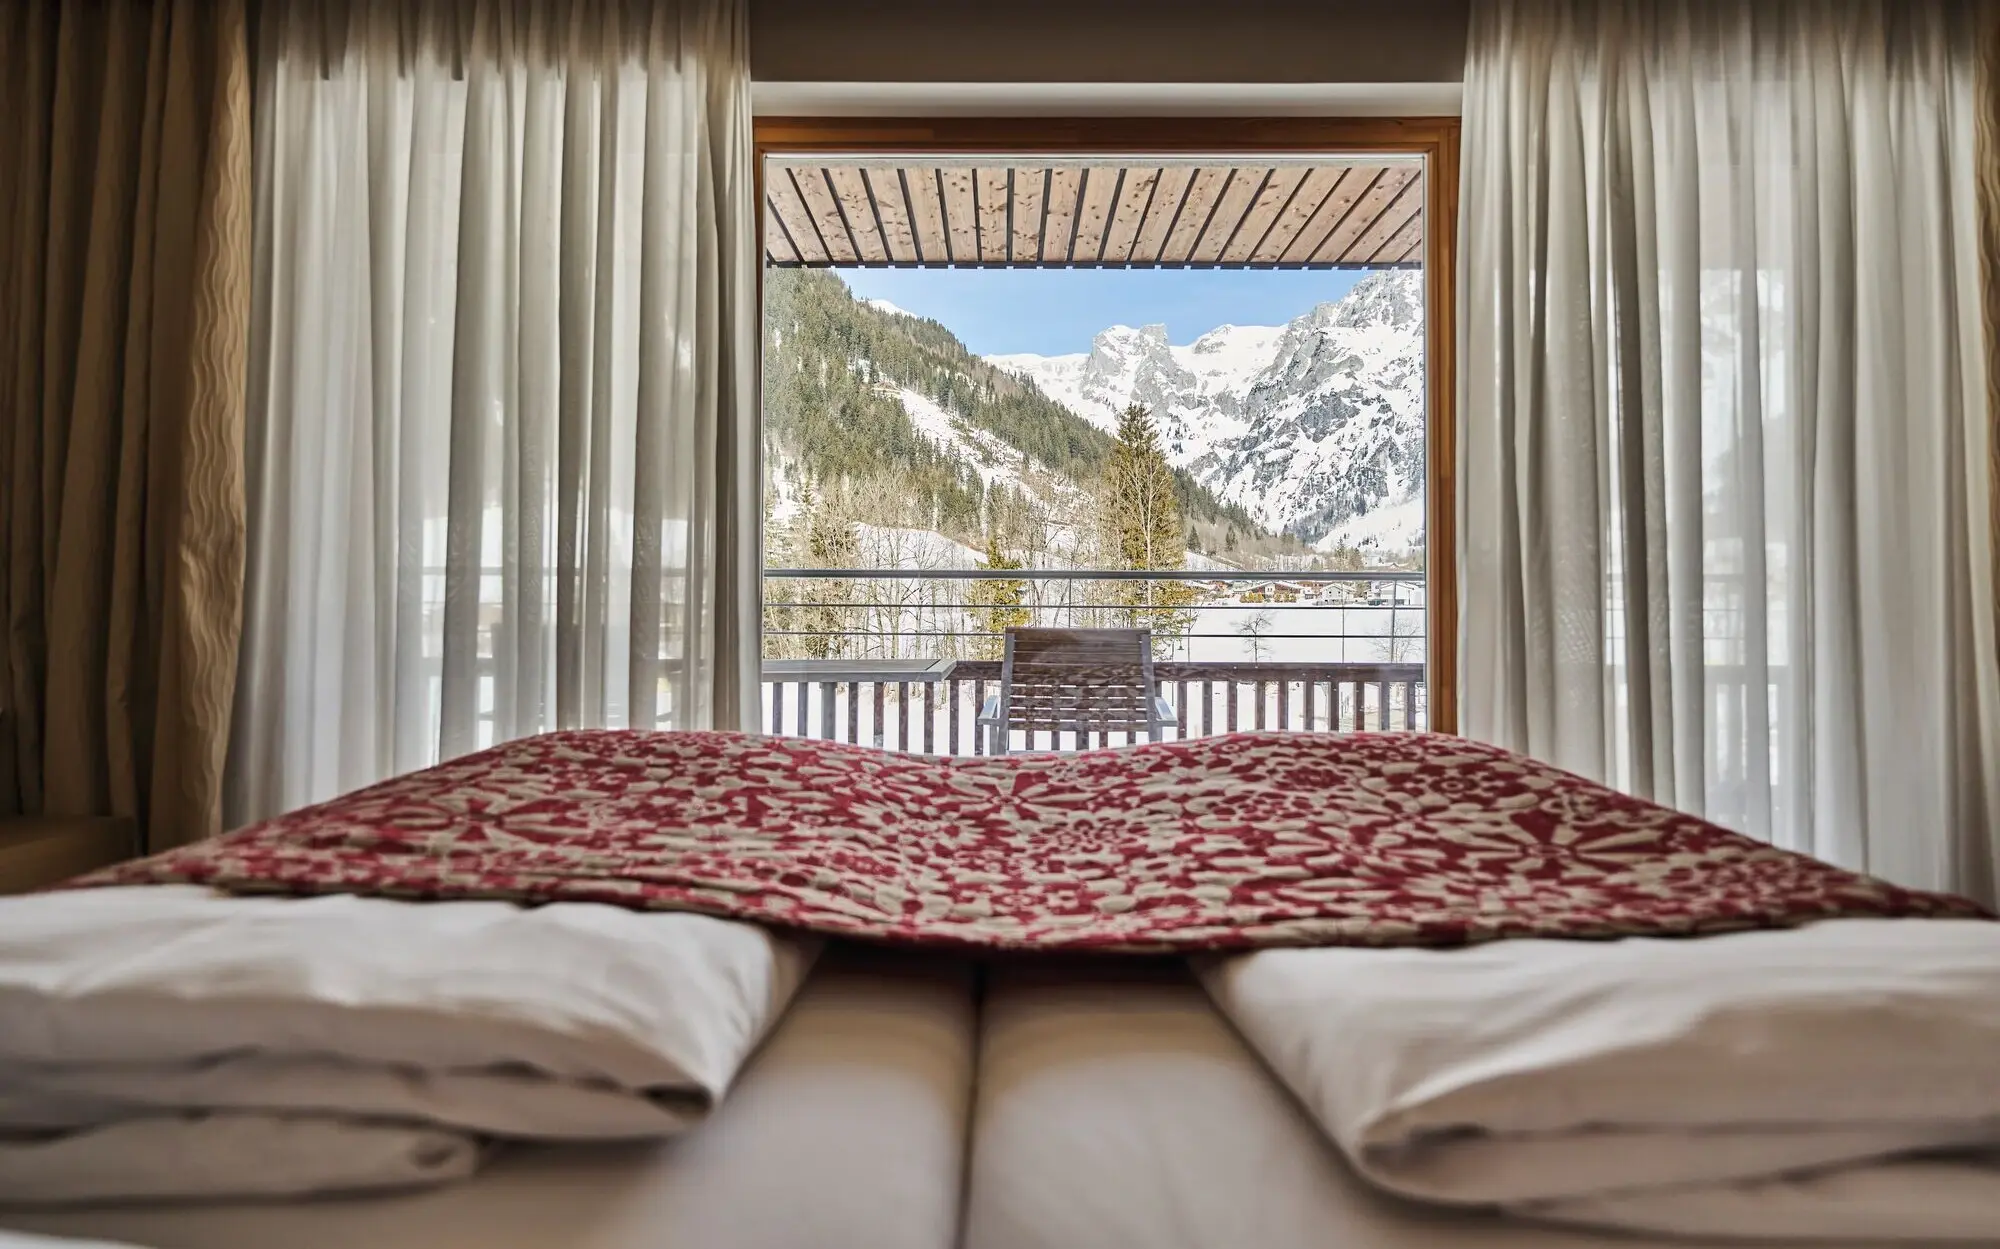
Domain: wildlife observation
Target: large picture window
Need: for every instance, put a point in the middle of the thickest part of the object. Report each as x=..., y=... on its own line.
x=1100, y=380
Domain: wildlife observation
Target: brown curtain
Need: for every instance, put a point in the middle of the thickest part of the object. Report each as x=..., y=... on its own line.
x=124, y=307
x=1987, y=132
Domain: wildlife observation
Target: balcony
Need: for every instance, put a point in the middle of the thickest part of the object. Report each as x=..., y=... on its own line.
x=903, y=659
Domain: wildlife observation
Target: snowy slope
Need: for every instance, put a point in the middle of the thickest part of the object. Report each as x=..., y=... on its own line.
x=1315, y=427
x=991, y=458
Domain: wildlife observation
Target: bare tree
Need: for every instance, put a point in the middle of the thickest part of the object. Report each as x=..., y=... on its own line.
x=1253, y=630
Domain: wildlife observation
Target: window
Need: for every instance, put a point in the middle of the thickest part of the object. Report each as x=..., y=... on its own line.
x=1258, y=489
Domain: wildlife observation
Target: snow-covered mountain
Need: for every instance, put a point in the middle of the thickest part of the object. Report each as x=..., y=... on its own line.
x=1315, y=427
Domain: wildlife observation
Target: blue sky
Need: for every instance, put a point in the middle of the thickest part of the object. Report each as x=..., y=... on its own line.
x=1054, y=312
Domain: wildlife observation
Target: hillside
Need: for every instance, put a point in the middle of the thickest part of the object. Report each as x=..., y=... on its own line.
x=888, y=419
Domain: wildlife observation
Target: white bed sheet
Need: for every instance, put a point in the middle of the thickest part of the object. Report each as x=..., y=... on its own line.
x=847, y=1129
x=1117, y=1108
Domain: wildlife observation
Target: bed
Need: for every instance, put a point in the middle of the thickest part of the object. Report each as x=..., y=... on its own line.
x=1114, y=1107
x=1257, y=1066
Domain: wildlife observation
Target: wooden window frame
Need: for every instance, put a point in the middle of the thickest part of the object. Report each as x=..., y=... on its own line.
x=1433, y=138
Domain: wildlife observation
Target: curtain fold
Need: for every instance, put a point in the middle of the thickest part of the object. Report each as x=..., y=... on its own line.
x=124, y=295
x=1725, y=485
x=503, y=451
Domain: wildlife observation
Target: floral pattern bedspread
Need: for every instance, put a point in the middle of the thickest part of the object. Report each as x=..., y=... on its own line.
x=1248, y=840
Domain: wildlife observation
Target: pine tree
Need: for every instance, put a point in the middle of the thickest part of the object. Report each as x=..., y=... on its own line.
x=832, y=540
x=1142, y=516
x=997, y=605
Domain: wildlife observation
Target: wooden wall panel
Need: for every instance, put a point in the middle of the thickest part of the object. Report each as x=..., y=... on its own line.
x=784, y=201
x=777, y=244
x=1331, y=212
x=1202, y=193
x=825, y=213
x=1403, y=211
x=920, y=184
x=1093, y=213
x=1128, y=215
x=1065, y=188
x=1388, y=185
x=1030, y=201
x=1113, y=212
x=857, y=209
x=892, y=209
x=1245, y=186
x=1262, y=214
x=1161, y=214
x=961, y=214
x=995, y=204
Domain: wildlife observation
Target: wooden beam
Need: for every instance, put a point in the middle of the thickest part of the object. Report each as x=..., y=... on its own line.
x=1393, y=229
x=1258, y=219
x=1065, y=187
x=825, y=212
x=783, y=197
x=1332, y=210
x=1093, y=214
x=1398, y=247
x=892, y=209
x=1129, y=214
x=1168, y=193
x=1244, y=187
x=1312, y=191
x=1202, y=193
x=1030, y=204
x=778, y=247
x=995, y=203
x=1387, y=189
x=961, y=214
x=1440, y=261
x=926, y=214
x=850, y=194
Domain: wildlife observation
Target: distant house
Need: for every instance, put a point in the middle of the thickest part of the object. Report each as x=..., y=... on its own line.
x=1273, y=592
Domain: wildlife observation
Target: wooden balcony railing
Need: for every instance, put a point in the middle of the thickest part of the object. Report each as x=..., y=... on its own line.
x=930, y=706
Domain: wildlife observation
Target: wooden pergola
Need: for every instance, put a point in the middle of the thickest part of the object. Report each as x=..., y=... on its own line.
x=1257, y=213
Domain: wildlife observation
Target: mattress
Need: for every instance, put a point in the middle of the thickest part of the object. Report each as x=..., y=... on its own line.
x=1116, y=1108
x=1112, y=1107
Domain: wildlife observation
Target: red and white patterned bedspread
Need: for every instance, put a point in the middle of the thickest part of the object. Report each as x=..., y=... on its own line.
x=1256, y=839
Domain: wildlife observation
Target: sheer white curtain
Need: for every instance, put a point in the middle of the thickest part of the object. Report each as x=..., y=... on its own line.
x=1723, y=477
x=502, y=445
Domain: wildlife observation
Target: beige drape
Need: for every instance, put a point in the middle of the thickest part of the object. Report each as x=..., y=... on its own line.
x=1724, y=499
x=503, y=455
x=124, y=301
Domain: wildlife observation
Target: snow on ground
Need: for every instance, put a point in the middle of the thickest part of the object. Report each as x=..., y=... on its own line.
x=914, y=550
x=883, y=305
x=991, y=458
x=1391, y=529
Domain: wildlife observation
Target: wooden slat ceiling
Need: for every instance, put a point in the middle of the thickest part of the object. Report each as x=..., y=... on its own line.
x=1007, y=213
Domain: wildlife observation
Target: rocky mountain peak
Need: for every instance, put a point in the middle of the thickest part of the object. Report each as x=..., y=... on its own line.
x=1315, y=427
x=1390, y=297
